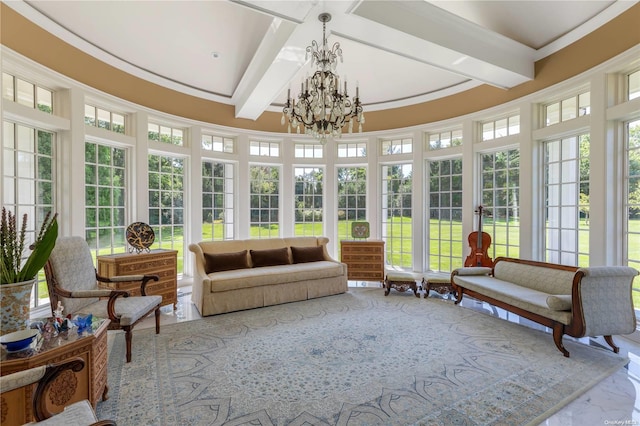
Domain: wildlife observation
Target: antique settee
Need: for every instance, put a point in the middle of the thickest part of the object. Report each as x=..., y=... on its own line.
x=579, y=302
x=233, y=275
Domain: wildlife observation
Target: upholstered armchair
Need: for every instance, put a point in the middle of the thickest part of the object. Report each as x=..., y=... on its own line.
x=72, y=279
x=79, y=413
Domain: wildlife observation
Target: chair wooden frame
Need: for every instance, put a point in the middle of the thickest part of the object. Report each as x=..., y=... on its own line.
x=45, y=376
x=55, y=292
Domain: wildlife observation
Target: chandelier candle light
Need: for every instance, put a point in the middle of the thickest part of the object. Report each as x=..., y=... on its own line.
x=323, y=107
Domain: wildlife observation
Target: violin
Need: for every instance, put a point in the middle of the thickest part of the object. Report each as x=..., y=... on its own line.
x=479, y=243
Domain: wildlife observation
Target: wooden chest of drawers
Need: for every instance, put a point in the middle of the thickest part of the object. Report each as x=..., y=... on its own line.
x=364, y=259
x=159, y=262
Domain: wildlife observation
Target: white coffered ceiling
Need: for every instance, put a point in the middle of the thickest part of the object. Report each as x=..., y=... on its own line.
x=249, y=52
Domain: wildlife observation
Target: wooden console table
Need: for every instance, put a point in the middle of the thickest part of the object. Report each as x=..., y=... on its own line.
x=364, y=259
x=90, y=383
x=160, y=262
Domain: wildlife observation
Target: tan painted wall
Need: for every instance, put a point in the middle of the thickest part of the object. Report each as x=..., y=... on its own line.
x=26, y=38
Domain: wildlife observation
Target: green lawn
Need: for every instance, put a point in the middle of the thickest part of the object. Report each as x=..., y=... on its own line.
x=399, y=252
x=401, y=227
x=452, y=242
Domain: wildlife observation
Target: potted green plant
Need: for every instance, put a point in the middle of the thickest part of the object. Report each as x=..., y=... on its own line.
x=17, y=275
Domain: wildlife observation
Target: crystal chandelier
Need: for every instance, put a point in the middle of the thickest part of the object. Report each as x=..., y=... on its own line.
x=323, y=107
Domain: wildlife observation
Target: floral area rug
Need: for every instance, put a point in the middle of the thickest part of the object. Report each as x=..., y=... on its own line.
x=359, y=358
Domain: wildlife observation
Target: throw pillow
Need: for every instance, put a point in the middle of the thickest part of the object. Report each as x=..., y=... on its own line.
x=307, y=254
x=270, y=257
x=225, y=261
x=561, y=302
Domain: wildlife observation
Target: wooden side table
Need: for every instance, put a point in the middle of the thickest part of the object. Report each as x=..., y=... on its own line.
x=364, y=259
x=160, y=262
x=90, y=383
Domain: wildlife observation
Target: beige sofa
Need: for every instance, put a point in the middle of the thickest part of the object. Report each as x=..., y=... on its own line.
x=579, y=302
x=242, y=274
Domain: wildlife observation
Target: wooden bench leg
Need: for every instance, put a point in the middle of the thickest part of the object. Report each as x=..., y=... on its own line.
x=558, y=331
x=609, y=340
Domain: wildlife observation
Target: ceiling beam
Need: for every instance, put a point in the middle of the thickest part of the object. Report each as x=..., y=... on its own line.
x=279, y=57
x=416, y=30
x=275, y=63
x=444, y=40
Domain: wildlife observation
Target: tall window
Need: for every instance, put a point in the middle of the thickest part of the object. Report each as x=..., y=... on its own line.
x=396, y=214
x=445, y=215
x=217, y=201
x=309, y=209
x=265, y=201
x=28, y=168
x=352, y=198
x=567, y=200
x=166, y=203
x=501, y=198
x=104, y=198
x=632, y=227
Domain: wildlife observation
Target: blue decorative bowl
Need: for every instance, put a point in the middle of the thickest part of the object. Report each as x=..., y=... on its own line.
x=18, y=340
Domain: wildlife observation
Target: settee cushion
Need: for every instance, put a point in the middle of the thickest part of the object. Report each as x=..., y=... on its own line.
x=307, y=254
x=541, y=278
x=271, y=257
x=561, y=302
x=525, y=298
x=225, y=261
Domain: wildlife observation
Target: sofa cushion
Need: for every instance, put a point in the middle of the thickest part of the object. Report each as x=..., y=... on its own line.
x=281, y=274
x=273, y=257
x=225, y=261
x=560, y=302
x=307, y=254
